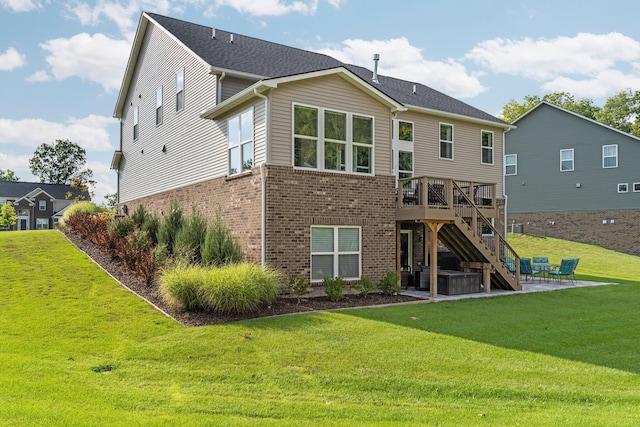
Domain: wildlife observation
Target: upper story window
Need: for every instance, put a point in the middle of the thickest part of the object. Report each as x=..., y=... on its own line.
x=159, y=106
x=610, y=156
x=180, y=90
x=636, y=187
x=240, y=134
x=135, y=123
x=332, y=140
x=566, y=160
x=446, y=141
x=403, y=148
x=405, y=131
x=42, y=205
x=487, y=147
x=511, y=164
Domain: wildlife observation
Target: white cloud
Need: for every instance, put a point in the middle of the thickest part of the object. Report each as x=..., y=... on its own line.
x=89, y=132
x=601, y=85
x=20, y=5
x=542, y=59
x=11, y=59
x=94, y=58
x=17, y=163
x=272, y=7
x=39, y=76
x=398, y=58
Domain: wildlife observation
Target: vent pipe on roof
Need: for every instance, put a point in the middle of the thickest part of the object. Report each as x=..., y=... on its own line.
x=376, y=58
x=230, y=38
x=414, y=89
x=213, y=33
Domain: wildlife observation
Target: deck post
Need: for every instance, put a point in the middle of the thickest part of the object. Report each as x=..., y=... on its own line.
x=486, y=277
x=433, y=258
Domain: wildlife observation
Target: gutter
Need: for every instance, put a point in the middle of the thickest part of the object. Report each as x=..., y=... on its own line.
x=263, y=249
x=504, y=179
x=219, y=89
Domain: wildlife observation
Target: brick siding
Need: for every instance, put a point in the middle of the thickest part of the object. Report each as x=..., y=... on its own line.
x=621, y=232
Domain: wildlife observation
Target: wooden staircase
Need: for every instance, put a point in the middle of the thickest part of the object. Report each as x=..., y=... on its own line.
x=461, y=211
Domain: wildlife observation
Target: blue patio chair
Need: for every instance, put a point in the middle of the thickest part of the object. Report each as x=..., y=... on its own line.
x=510, y=264
x=566, y=269
x=544, y=269
x=527, y=269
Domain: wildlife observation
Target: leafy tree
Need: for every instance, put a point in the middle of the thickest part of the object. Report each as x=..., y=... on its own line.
x=59, y=162
x=585, y=107
x=111, y=200
x=8, y=216
x=81, y=181
x=8, y=175
x=622, y=111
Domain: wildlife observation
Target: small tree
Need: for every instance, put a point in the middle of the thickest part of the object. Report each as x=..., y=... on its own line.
x=8, y=175
x=8, y=216
x=58, y=162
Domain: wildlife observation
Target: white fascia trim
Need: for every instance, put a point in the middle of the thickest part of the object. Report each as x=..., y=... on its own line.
x=233, y=73
x=237, y=99
x=505, y=126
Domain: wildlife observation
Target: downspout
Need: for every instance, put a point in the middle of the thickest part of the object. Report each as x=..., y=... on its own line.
x=263, y=180
x=219, y=88
x=504, y=194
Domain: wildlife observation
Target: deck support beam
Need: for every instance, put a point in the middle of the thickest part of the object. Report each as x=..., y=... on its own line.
x=434, y=226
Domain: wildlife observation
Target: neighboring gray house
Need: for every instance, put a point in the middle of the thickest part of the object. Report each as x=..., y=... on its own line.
x=319, y=168
x=571, y=177
x=39, y=206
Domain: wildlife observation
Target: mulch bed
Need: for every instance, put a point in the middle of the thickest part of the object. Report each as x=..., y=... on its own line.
x=283, y=305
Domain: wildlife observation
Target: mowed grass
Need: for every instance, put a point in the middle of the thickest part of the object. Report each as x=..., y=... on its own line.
x=596, y=263
x=77, y=349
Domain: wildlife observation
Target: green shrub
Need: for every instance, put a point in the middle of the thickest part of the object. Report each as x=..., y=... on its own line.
x=389, y=285
x=170, y=226
x=236, y=288
x=150, y=226
x=190, y=238
x=139, y=215
x=364, y=286
x=76, y=207
x=298, y=286
x=334, y=287
x=122, y=226
x=220, y=248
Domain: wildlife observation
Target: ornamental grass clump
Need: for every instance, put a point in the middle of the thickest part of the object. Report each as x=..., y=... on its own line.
x=232, y=289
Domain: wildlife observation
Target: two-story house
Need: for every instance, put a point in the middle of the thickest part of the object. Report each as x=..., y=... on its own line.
x=319, y=168
x=39, y=206
x=570, y=177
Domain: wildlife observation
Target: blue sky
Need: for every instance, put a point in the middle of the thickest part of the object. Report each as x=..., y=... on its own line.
x=61, y=62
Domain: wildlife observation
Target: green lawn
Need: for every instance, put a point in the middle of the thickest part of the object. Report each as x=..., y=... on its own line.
x=76, y=349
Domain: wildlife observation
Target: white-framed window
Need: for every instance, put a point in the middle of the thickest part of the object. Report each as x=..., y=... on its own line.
x=610, y=156
x=335, y=252
x=159, y=106
x=566, y=160
x=487, y=147
x=486, y=230
x=511, y=164
x=42, y=205
x=180, y=89
x=446, y=141
x=240, y=134
x=331, y=140
x=623, y=187
x=42, y=223
x=403, y=148
x=136, y=119
x=636, y=187
x=23, y=212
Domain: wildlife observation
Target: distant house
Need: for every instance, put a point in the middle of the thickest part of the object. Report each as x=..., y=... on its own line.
x=319, y=168
x=39, y=206
x=571, y=177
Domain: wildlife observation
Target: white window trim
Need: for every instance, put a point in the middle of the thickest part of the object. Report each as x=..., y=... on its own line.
x=515, y=156
x=573, y=160
x=440, y=141
x=320, y=141
x=40, y=207
x=159, y=106
x=636, y=187
x=621, y=189
x=402, y=145
x=136, y=123
x=40, y=222
x=603, y=156
x=179, y=90
x=336, y=253
x=482, y=147
x=241, y=143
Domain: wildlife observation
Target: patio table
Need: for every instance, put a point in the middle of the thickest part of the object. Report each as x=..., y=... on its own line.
x=545, y=266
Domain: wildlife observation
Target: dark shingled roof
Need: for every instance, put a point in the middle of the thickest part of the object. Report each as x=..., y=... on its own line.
x=15, y=190
x=270, y=60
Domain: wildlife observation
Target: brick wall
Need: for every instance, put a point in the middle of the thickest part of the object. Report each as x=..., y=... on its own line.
x=238, y=200
x=296, y=200
x=618, y=230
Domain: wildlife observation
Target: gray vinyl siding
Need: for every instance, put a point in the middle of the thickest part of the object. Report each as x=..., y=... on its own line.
x=233, y=85
x=327, y=92
x=189, y=140
x=466, y=164
x=540, y=186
